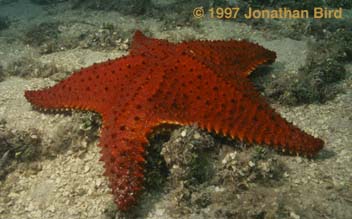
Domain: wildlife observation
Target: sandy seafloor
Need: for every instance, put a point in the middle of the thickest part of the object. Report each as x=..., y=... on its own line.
x=71, y=184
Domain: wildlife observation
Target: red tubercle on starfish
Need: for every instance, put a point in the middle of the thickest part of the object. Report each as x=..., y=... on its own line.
x=200, y=82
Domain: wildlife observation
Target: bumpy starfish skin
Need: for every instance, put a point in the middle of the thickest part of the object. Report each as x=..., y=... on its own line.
x=198, y=82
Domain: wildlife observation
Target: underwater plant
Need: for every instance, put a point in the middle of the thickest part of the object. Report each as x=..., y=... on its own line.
x=4, y=22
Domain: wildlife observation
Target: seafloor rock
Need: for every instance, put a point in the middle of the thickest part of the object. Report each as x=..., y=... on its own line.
x=23, y=147
x=215, y=179
x=47, y=36
x=50, y=37
x=185, y=155
x=76, y=135
x=16, y=147
x=239, y=169
x=40, y=34
x=319, y=79
x=27, y=67
x=107, y=37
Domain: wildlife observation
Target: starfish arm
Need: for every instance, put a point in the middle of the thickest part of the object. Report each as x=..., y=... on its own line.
x=230, y=57
x=151, y=47
x=193, y=93
x=120, y=92
x=123, y=155
x=94, y=88
x=124, y=134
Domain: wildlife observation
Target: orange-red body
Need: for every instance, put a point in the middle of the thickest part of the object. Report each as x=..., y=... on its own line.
x=197, y=82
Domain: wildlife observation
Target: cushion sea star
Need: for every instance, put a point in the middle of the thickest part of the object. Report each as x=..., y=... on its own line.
x=203, y=82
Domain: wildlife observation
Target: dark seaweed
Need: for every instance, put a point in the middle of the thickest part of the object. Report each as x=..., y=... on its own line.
x=135, y=7
x=4, y=23
x=2, y=74
x=298, y=4
x=46, y=2
x=43, y=33
x=17, y=147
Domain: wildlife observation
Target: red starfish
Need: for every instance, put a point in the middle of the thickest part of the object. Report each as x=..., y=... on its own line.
x=199, y=82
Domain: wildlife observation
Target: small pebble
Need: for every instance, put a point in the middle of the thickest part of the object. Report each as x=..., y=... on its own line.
x=293, y=215
x=196, y=135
